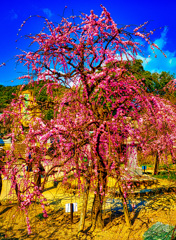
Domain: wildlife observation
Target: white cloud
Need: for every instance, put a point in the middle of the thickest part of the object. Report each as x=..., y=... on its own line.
x=156, y=61
x=48, y=12
x=162, y=41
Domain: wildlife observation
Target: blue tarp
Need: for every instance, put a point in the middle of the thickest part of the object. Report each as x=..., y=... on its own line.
x=1, y=142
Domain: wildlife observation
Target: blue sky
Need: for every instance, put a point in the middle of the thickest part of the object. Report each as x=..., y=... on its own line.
x=161, y=16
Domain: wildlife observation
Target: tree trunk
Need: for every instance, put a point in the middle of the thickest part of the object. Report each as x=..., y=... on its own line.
x=17, y=193
x=84, y=207
x=156, y=166
x=97, y=221
x=96, y=218
x=125, y=207
x=37, y=179
x=37, y=176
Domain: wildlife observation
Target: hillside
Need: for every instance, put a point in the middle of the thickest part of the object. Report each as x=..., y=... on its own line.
x=10, y=92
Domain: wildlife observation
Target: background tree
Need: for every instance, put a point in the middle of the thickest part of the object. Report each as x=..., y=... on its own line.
x=154, y=82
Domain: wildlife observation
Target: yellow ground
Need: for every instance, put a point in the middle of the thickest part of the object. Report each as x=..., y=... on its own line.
x=58, y=226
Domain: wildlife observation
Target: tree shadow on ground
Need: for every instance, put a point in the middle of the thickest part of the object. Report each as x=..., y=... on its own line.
x=116, y=210
x=49, y=188
x=112, y=216
x=5, y=209
x=86, y=234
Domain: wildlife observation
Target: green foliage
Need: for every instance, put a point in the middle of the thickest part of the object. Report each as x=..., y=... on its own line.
x=40, y=216
x=6, y=95
x=170, y=175
x=49, y=114
x=166, y=166
x=153, y=82
x=40, y=94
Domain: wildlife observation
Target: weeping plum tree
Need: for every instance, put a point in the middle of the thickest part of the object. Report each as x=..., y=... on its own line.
x=95, y=116
x=159, y=135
